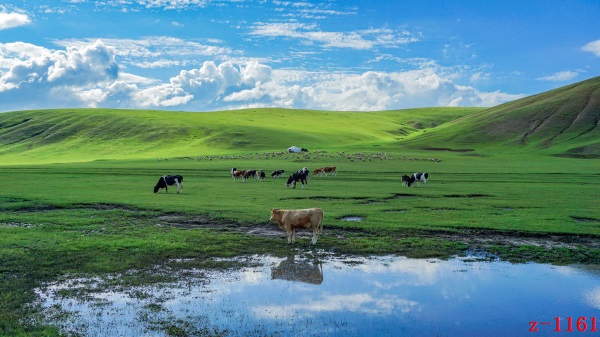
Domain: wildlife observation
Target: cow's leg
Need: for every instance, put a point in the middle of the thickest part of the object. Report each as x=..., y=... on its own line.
x=315, y=231
x=290, y=234
x=178, y=185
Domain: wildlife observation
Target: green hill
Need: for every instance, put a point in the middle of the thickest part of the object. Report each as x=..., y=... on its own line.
x=558, y=122
x=563, y=121
x=67, y=135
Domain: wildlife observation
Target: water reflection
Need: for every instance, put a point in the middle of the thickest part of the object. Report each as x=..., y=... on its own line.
x=299, y=270
x=383, y=296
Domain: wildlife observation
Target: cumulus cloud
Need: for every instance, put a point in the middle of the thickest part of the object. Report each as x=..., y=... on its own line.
x=369, y=91
x=156, y=51
x=560, y=76
x=89, y=75
x=11, y=20
x=73, y=67
x=593, y=47
x=43, y=75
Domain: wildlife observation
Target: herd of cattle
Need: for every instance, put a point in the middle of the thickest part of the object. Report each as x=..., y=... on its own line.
x=289, y=220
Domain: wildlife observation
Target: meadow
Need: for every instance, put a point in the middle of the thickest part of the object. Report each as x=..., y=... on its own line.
x=76, y=195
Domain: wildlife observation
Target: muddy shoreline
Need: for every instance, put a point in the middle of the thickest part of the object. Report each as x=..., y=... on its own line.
x=476, y=238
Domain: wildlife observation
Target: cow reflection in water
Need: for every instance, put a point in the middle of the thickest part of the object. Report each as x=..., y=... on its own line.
x=299, y=271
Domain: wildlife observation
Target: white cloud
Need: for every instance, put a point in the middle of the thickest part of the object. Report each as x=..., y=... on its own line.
x=361, y=39
x=172, y=4
x=157, y=51
x=592, y=47
x=75, y=66
x=45, y=76
x=560, y=76
x=12, y=20
x=369, y=91
x=90, y=75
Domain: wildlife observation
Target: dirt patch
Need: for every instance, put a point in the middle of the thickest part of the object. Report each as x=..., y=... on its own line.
x=447, y=149
x=487, y=238
x=467, y=195
x=582, y=219
x=403, y=195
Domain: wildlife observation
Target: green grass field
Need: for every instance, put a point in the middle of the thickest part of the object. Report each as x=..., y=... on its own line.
x=76, y=194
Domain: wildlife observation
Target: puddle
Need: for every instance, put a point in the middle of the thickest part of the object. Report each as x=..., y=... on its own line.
x=353, y=218
x=330, y=296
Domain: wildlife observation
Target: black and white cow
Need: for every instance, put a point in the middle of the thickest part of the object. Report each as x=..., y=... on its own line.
x=249, y=174
x=165, y=181
x=415, y=178
x=405, y=180
x=300, y=176
x=278, y=173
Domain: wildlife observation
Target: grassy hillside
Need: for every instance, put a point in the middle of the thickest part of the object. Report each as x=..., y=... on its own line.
x=69, y=135
x=562, y=121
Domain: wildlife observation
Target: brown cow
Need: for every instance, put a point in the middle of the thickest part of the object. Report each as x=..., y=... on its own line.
x=318, y=171
x=289, y=220
x=235, y=174
x=330, y=169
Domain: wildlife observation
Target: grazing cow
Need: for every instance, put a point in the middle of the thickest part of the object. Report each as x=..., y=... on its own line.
x=165, y=181
x=235, y=174
x=300, y=176
x=415, y=178
x=249, y=174
x=330, y=169
x=318, y=171
x=260, y=175
x=289, y=220
x=278, y=173
x=304, y=149
x=405, y=180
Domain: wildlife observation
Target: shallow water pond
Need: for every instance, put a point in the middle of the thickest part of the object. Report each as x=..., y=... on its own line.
x=328, y=295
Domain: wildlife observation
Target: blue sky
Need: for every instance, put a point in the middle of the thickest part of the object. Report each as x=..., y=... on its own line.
x=205, y=55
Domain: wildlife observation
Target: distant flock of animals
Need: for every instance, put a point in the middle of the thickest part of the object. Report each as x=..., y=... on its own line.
x=289, y=220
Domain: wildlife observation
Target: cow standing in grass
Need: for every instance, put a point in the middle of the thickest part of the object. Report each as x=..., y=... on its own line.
x=165, y=181
x=289, y=220
x=278, y=173
x=236, y=174
x=415, y=178
x=300, y=176
x=405, y=180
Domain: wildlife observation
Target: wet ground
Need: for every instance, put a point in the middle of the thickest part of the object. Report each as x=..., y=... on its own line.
x=480, y=238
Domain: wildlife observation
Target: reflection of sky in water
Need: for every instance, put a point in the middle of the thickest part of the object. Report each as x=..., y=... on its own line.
x=352, y=296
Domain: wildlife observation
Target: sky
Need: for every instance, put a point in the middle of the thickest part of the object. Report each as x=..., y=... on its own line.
x=350, y=55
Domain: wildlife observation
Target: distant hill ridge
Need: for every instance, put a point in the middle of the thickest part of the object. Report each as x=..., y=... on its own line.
x=562, y=121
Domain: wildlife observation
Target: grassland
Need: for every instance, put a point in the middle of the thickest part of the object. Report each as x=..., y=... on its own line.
x=76, y=196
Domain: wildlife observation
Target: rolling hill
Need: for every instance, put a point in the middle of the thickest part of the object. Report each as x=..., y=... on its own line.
x=68, y=135
x=564, y=121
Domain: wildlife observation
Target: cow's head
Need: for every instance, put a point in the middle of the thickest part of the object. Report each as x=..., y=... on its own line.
x=273, y=211
x=290, y=180
x=156, y=188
